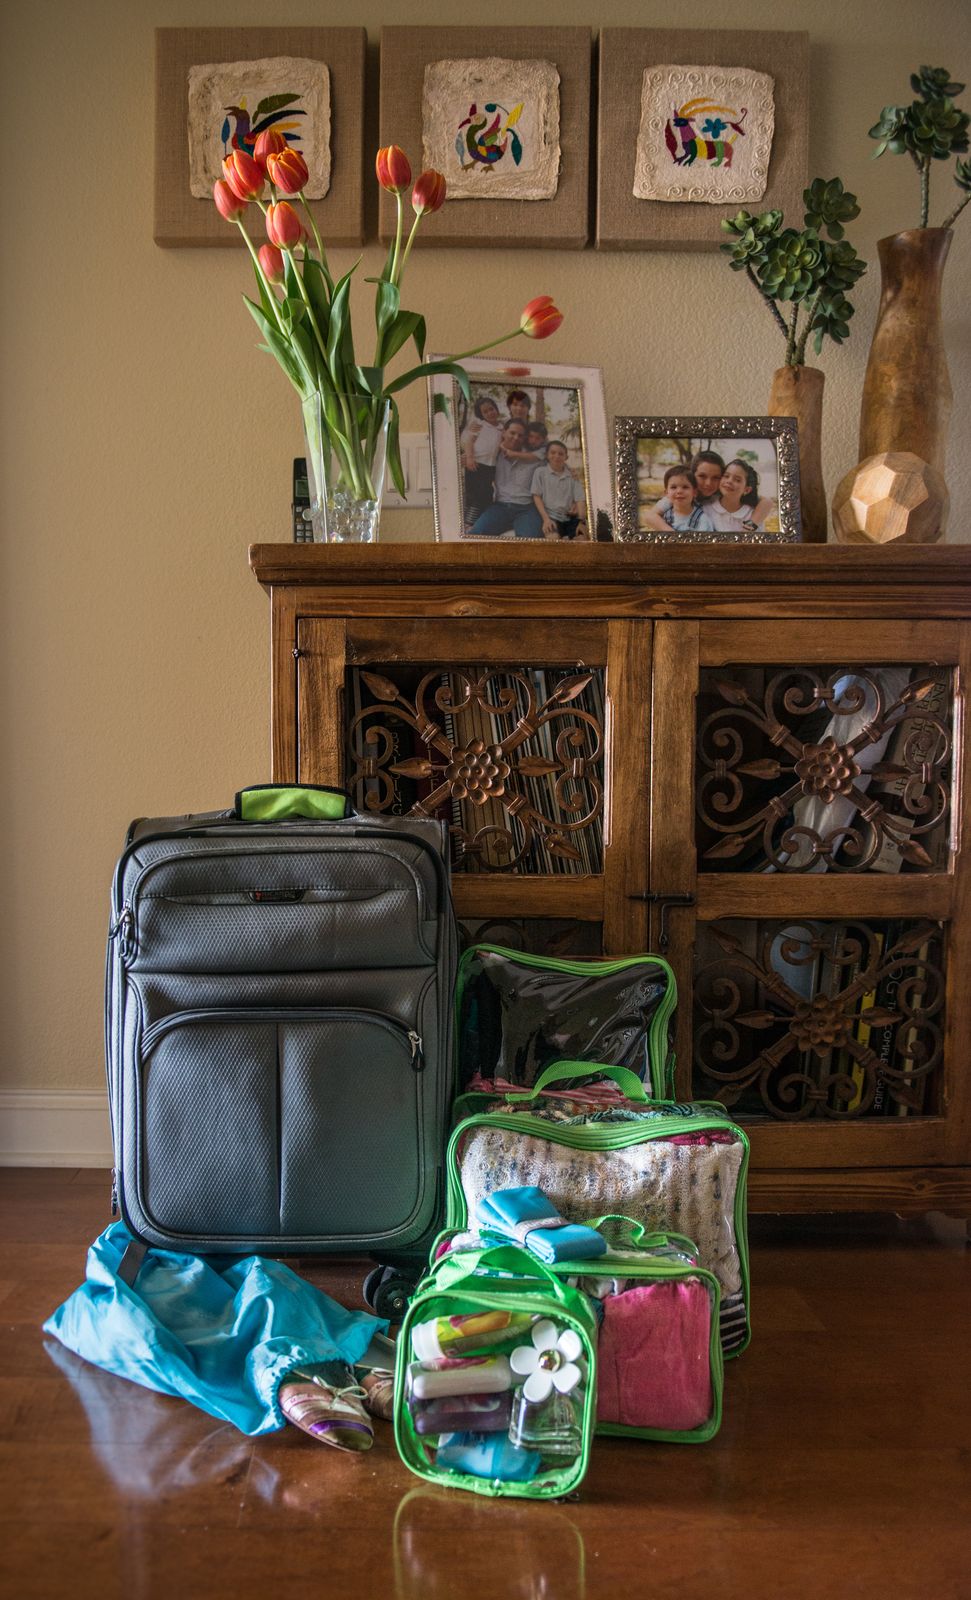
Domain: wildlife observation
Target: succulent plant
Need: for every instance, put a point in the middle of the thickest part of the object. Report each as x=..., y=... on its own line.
x=931, y=128
x=799, y=267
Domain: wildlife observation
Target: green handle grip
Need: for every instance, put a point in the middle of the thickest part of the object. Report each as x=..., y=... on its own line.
x=561, y=1071
x=273, y=802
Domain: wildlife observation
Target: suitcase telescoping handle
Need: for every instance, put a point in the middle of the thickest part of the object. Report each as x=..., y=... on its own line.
x=561, y=1071
x=277, y=802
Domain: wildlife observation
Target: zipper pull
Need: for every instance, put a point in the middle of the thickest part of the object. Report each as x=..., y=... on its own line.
x=114, y=1193
x=122, y=930
x=417, y=1051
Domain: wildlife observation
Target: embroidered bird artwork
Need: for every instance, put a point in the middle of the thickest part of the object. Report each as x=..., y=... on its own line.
x=708, y=145
x=487, y=137
x=240, y=133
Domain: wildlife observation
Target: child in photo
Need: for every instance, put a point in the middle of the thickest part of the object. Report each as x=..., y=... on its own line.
x=558, y=497
x=706, y=467
x=680, y=509
x=740, y=508
x=480, y=448
x=518, y=405
x=536, y=440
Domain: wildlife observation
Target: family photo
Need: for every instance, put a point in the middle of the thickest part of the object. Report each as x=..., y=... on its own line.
x=525, y=456
x=712, y=486
x=522, y=462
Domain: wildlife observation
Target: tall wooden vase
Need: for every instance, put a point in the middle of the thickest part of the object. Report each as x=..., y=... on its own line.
x=907, y=389
x=798, y=392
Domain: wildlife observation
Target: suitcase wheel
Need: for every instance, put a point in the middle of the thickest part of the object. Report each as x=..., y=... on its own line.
x=387, y=1291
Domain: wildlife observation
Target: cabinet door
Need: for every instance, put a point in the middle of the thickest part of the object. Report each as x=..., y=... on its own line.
x=808, y=794
x=529, y=738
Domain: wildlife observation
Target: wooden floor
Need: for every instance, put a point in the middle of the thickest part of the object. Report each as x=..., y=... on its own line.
x=841, y=1470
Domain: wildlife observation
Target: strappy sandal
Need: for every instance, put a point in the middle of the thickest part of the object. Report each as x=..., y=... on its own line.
x=378, y=1385
x=324, y=1401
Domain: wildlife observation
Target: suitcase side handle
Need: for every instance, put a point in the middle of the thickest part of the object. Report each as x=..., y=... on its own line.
x=276, y=802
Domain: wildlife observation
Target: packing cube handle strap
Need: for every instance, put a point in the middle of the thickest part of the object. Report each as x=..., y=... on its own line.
x=563, y=1071
x=276, y=802
x=510, y=1258
x=635, y=1233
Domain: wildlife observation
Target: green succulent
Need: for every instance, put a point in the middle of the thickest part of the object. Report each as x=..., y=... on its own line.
x=842, y=267
x=791, y=265
x=828, y=206
x=831, y=319
x=931, y=128
x=962, y=175
x=934, y=83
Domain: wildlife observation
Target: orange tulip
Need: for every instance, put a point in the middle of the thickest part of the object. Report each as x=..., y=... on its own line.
x=271, y=261
x=429, y=192
x=287, y=170
x=393, y=169
x=540, y=317
x=268, y=143
x=283, y=226
x=244, y=175
x=228, y=204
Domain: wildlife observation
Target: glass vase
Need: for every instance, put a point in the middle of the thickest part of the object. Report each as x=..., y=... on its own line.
x=347, y=449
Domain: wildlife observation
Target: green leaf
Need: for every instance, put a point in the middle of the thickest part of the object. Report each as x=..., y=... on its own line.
x=274, y=102
x=317, y=283
x=394, y=452
x=370, y=379
x=387, y=303
x=279, y=348
x=404, y=325
x=441, y=405
x=339, y=338
x=430, y=369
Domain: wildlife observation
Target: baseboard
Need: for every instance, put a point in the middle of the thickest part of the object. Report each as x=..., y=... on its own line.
x=54, y=1128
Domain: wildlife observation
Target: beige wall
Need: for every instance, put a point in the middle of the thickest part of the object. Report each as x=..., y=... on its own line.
x=146, y=442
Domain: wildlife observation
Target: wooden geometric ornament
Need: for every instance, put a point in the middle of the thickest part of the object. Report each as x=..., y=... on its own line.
x=894, y=498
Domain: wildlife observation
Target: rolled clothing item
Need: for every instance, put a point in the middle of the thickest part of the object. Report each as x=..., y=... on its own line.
x=487, y=1455
x=477, y=1375
x=654, y=1357
x=462, y=1335
x=463, y=1413
x=526, y=1216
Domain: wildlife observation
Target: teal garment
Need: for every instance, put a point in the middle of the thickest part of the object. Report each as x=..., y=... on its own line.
x=221, y=1332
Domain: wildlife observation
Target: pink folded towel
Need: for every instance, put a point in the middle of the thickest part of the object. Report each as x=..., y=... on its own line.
x=653, y=1357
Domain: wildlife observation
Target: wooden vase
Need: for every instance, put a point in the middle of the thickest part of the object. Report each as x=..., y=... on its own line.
x=798, y=392
x=907, y=389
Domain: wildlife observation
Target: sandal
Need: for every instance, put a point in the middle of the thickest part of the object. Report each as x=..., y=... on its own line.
x=378, y=1385
x=324, y=1401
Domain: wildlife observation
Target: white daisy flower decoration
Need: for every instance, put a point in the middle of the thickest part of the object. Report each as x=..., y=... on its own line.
x=549, y=1363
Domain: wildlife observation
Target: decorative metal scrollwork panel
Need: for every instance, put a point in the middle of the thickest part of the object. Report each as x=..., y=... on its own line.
x=803, y=769
x=512, y=757
x=819, y=1019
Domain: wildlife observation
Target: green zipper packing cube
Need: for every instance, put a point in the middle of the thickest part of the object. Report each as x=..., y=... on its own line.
x=501, y=1277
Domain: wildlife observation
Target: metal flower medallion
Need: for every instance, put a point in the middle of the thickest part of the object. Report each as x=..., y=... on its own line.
x=868, y=778
x=814, y=1019
x=513, y=758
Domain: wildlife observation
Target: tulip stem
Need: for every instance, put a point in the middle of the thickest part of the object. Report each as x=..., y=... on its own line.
x=397, y=238
x=320, y=248
x=490, y=346
x=408, y=245
x=306, y=300
x=263, y=278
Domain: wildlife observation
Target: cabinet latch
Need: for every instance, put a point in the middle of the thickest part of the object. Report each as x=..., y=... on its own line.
x=665, y=902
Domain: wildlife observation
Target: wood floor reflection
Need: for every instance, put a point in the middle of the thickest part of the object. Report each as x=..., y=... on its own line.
x=841, y=1470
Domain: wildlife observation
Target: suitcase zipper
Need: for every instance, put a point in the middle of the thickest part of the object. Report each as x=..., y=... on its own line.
x=415, y=1044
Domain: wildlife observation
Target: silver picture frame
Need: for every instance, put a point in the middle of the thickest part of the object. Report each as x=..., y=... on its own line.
x=706, y=433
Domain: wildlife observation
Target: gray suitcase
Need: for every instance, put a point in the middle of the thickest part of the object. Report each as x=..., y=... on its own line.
x=278, y=1029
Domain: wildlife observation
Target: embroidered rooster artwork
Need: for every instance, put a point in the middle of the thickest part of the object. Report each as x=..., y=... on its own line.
x=239, y=132
x=712, y=140
x=487, y=137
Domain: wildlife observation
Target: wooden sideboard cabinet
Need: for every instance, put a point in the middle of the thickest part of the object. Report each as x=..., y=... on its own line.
x=754, y=760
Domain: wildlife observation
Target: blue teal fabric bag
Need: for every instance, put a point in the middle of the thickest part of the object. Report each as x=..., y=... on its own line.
x=221, y=1333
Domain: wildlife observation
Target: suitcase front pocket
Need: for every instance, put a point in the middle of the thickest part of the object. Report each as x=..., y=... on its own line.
x=305, y=1124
